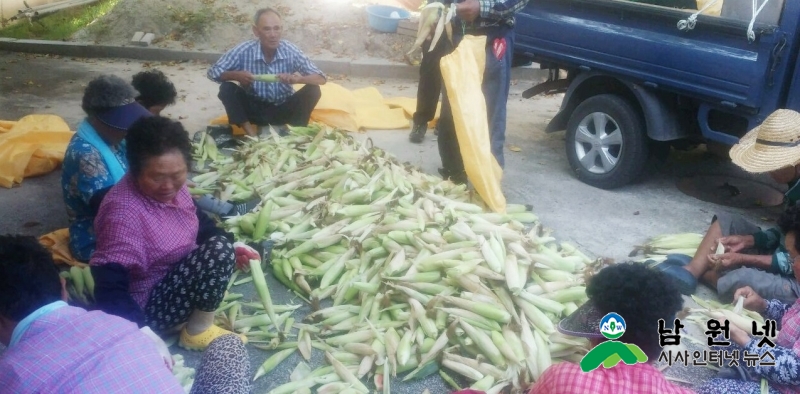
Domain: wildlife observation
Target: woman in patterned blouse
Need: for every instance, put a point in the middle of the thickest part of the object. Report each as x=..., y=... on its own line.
x=95, y=157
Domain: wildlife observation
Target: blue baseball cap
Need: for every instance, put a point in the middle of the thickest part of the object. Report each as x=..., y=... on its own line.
x=122, y=117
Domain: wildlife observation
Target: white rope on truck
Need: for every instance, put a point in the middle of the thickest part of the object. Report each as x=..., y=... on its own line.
x=751, y=35
x=691, y=21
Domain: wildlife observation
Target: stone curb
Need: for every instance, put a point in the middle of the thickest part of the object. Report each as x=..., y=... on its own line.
x=358, y=68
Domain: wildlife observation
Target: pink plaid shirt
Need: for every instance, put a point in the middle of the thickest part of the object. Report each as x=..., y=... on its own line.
x=146, y=236
x=567, y=378
x=70, y=350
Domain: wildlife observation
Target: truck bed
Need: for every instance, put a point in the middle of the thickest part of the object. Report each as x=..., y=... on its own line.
x=713, y=62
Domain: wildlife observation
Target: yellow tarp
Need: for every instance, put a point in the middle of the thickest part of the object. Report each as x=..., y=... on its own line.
x=57, y=243
x=462, y=72
x=373, y=113
x=409, y=105
x=32, y=146
x=356, y=110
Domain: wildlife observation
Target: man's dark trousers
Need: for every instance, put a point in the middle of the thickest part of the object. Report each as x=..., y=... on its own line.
x=242, y=107
x=430, y=81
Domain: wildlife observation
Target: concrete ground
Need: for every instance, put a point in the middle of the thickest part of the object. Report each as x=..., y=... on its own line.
x=601, y=223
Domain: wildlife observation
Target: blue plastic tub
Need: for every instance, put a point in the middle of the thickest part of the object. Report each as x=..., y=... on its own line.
x=379, y=17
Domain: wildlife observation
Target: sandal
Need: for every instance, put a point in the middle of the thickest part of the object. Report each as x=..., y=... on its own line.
x=202, y=340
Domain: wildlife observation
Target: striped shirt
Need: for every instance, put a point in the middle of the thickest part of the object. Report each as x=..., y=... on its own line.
x=248, y=56
x=70, y=350
x=145, y=236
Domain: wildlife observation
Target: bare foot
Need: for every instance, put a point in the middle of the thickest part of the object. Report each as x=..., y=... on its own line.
x=250, y=129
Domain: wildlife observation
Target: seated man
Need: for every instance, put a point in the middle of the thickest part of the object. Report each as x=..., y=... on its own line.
x=752, y=257
x=626, y=289
x=255, y=102
x=156, y=92
x=53, y=347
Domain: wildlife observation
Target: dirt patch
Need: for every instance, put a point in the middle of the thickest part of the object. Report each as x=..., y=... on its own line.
x=321, y=28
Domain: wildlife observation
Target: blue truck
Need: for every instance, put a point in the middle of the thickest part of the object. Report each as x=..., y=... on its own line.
x=639, y=76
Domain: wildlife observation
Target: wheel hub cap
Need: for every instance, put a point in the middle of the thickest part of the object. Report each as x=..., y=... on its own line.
x=598, y=143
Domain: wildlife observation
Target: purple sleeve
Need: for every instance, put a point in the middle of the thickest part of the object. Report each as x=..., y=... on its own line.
x=118, y=236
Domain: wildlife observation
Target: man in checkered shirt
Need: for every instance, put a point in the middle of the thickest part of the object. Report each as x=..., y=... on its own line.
x=250, y=103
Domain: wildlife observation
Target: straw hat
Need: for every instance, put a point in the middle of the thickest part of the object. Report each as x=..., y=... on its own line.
x=773, y=145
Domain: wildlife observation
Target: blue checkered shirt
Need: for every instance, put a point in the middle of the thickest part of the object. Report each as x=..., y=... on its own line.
x=248, y=56
x=503, y=10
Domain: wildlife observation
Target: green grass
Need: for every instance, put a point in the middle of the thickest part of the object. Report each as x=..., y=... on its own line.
x=60, y=25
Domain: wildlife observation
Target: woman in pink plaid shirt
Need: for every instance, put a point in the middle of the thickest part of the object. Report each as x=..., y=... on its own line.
x=639, y=295
x=160, y=261
x=57, y=348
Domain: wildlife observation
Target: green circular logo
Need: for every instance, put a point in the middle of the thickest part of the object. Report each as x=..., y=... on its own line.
x=612, y=326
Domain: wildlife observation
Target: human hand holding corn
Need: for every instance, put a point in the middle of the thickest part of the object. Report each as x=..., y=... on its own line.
x=737, y=243
x=727, y=261
x=245, y=78
x=244, y=254
x=289, y=78
x=752, y=301
x=739, y=336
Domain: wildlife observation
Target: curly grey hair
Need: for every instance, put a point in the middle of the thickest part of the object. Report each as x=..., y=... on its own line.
x=106, y=92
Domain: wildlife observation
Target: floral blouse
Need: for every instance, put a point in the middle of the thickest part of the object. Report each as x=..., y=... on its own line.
x=785, y=374
x=84, y=174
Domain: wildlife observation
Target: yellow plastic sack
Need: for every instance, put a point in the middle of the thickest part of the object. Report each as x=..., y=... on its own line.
x=57, y=243
x=462, y=72
x=35, y=145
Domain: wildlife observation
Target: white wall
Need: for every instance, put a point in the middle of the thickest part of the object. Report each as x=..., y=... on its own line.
x=9, y=8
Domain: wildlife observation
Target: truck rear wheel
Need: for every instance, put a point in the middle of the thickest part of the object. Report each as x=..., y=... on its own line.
x=607, y=143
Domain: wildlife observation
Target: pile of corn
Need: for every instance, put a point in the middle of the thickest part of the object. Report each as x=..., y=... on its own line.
x=657, y=248
x=406, y=275
x=183, y=374
x=710, y=309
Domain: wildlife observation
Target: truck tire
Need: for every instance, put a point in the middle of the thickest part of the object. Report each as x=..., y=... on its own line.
x=607, y=144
